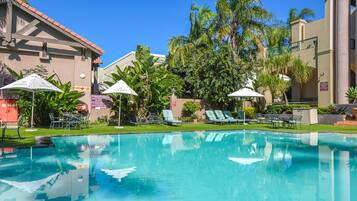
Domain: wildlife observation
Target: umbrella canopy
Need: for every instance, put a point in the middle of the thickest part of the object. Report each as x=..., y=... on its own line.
x=33, y=83
x=119, y=174
x=30, y=186
x=120, y=88
x=245, y=92
x=245, y=161
x=284, y=77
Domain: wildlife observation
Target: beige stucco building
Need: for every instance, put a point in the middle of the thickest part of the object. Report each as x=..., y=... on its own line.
x=104, y=74
x=29, y=38
x=328, y=45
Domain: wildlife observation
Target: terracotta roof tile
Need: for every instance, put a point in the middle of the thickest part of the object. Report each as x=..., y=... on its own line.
x=48, y=19
x=98, y=60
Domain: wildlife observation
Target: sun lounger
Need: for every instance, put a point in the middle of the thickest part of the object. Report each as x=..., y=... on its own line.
x=230, y=117
x=221, y=116
x=169, y=118
x=211, y=117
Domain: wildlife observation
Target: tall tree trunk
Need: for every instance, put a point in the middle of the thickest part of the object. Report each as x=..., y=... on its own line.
x=233, y=41
x=301, y=92
x=286, y=99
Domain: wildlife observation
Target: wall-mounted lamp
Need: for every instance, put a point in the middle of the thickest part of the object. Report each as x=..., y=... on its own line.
x=82, y=76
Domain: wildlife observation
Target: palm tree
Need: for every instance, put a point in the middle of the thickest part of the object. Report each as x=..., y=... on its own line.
x=301, y=72
x=305, y=14
x=201, y=31
x=150, y=80
x=272, y=68
x=240, y=23
x=277, y=39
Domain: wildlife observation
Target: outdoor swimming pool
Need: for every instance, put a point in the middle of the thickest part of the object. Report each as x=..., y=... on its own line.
x=192, y=166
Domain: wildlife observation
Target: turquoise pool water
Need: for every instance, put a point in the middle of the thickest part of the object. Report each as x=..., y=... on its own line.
x=192, y=166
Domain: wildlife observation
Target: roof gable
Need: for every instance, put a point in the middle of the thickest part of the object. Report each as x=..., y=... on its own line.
x=52, y=23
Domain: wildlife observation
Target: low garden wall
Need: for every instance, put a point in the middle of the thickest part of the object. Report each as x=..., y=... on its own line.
x=176, y=105
x=331, y=118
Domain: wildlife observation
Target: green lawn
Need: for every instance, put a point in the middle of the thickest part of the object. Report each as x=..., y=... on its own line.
x=29, y=137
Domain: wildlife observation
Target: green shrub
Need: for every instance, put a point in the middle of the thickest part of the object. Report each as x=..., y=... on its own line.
x=331, y=110
x=285, y=109
x=250, y=112
x=47, y=102
x=351, y=94
x=190, y=108
x=186, y=119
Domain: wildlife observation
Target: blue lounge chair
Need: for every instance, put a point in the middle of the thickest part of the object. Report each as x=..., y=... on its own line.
x=221, y=116
x=230, y=117
x=169, y=118
x=213, y=119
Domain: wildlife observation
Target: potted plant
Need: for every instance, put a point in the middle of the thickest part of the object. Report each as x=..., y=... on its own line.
x=352, y=97
x=190, y=108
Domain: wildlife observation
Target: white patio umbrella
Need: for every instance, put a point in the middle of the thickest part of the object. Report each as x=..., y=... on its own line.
x=245, y=161
x=245, y=93
x=119, y=174
x=32, y=83
x=30, y=186
x=120, y=88
x=284, y=77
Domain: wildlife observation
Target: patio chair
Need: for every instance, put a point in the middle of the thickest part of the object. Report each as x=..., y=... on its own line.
x=261, y=118
x=220, y=116
x=72, y=121
x=153, y=118
x=19, y=124
x=85, y=121
x=285, y=119
x=169, y=118
x=274, y=121
x=230, y=117
x=294, y=121
x=213, y=119
x=134, y=120
x=55, y=121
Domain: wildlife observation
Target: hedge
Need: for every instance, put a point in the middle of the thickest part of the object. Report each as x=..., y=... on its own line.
x=285, y=109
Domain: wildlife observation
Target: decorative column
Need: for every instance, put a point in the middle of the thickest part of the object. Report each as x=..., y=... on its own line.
x=342, y=50
x=355, y=46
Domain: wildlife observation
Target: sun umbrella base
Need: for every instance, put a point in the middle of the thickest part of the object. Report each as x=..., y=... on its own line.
x=119, y=127
x=31, y=130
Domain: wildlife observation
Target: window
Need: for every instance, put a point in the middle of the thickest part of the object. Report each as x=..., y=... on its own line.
x=352, y=44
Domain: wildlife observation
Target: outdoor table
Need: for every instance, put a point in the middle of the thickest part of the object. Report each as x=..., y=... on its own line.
x=71, y=120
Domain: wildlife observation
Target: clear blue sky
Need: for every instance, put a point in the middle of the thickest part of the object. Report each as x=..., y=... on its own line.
x=118, y=26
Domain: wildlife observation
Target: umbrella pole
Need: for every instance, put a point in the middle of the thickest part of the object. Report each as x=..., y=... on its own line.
x=32, y=108
x=119, y=111
x=243, y=107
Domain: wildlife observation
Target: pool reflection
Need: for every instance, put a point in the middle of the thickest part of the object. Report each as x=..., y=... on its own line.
x=248, y=165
